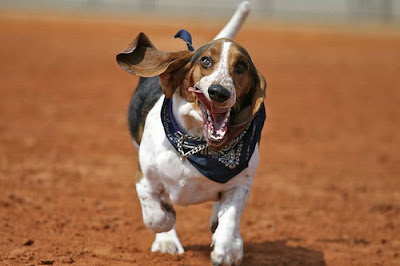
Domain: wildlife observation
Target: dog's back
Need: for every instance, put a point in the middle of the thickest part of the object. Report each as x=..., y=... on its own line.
x=143, y=99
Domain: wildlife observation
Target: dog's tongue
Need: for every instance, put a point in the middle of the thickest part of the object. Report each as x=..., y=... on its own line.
x=219, y=121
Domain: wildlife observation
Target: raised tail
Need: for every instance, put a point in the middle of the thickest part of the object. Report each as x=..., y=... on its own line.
x=234, y=24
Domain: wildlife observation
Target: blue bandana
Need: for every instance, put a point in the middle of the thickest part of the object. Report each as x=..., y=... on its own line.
x=219, y=166
x=185, y=36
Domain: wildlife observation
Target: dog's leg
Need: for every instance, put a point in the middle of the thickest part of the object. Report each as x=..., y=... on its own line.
x=227, y=241
x=167, y=242
x=158, y=214
x=214, y=216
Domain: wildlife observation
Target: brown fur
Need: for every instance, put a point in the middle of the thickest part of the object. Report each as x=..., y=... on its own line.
x=182, y=69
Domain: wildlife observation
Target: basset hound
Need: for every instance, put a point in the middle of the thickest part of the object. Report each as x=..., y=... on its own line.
x=196, y=118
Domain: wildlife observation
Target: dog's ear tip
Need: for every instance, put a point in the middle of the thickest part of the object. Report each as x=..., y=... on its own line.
x=118, y=57
x=121, y=59
x=140, y=40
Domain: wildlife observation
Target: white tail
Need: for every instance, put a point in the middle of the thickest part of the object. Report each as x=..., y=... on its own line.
x=234, y=24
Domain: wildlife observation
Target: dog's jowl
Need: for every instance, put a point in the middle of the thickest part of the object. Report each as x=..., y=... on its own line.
x=196, y=118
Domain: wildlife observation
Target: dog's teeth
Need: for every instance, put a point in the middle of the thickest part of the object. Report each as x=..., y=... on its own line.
x=212, y=137
x=213, y=133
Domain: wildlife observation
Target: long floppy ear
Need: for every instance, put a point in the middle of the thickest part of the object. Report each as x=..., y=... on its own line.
x=246, y=115
x=259, y=94
x=141, y=58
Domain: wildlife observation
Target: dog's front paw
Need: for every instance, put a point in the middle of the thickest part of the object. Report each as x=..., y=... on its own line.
x=228, y=250
x=167, y=246
x=167, y=242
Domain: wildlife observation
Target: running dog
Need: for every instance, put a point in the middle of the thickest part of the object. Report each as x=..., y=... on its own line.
x=196, y=118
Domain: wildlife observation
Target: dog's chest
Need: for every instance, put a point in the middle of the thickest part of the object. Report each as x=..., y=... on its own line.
x=161, y=166
x=164, y=172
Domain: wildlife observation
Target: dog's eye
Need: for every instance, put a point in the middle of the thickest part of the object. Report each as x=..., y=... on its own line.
x=206, y=62
x=240, y=67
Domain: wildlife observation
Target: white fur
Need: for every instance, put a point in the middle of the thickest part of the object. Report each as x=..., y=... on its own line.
x=182, y=108
x=220, y=76
x=166, y=178
x=234, y=24
x=167, y=242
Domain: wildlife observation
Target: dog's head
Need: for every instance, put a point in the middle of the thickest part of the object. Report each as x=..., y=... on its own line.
x=220, y=76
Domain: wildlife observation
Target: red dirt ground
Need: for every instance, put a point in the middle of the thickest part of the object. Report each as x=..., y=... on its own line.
x=327, y=191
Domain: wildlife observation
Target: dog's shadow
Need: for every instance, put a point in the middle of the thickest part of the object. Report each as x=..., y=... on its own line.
x=273, y=253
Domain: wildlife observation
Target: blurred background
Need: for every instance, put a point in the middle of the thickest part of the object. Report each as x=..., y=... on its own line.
x=327, y=191
x=366, y=11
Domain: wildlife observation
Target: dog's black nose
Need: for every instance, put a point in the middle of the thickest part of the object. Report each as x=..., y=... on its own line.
x=218, y=93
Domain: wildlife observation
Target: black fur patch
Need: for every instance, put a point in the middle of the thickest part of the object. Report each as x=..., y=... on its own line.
x=198, y=52
x=143, y=99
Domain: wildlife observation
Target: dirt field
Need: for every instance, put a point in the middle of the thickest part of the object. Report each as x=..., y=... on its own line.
x=327, y=191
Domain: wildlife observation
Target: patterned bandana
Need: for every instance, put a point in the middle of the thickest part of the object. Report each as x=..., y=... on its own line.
x=219, y=166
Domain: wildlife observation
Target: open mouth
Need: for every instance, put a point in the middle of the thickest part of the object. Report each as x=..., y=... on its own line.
x=215, y=119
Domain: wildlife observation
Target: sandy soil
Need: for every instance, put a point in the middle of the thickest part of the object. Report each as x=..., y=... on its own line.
x=327, y=191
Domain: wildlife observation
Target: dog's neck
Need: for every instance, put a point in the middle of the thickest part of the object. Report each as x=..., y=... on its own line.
x=189, y=119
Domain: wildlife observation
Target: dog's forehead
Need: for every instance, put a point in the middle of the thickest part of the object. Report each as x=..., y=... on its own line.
x=215, y=49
